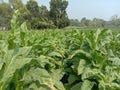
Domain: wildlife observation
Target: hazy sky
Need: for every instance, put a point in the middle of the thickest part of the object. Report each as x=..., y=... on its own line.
x=89, y=8
x=93, y=8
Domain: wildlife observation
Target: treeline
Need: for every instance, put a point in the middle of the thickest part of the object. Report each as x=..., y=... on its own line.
x=96, y=22
x=36, y=17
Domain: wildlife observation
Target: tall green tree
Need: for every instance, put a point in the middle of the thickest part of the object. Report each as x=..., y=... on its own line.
x=44, y=18
x=58, y=13
x=5, y=15
x=43, y=13
x=33, y=9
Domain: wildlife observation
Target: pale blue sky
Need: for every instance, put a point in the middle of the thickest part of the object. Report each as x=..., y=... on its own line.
x=89, y=8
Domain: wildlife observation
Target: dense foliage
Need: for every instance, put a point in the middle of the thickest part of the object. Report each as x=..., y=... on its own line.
x=58, y=13
x=36, y=17
x=96, y=22
x=59, y=59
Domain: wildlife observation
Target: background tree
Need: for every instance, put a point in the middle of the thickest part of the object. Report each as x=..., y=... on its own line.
x=74, y=22
x=115, y=21
x=85, y=22
x=44, y=21
x=58, y=13
x=5, y=15
x=33, y=9
x=98, y=22
x=43, y=13
x=18, y=5
x=38, y=16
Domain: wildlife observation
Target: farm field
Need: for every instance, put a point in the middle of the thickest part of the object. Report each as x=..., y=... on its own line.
x=59, y=60
x=71, y=59
x=59, y=45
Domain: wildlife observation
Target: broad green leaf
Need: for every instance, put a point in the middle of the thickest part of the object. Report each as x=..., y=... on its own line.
x=15, y=24
x=3, y=51
x=73, y=78
x=1, y=63
x=81, y=66
x=87, y=85
x=97, y=59
x=23, y=33
x=76, y=86
x=97, y=36
x=40, y=75
x=14, y=60
x=94, y=74
x=24, y=27
x=74, y=53
x=108, y=86
x=14, y=65
x=115, y=61
x=57, y=76
x=22, y=52
x=55, y=54
x=34, y=86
